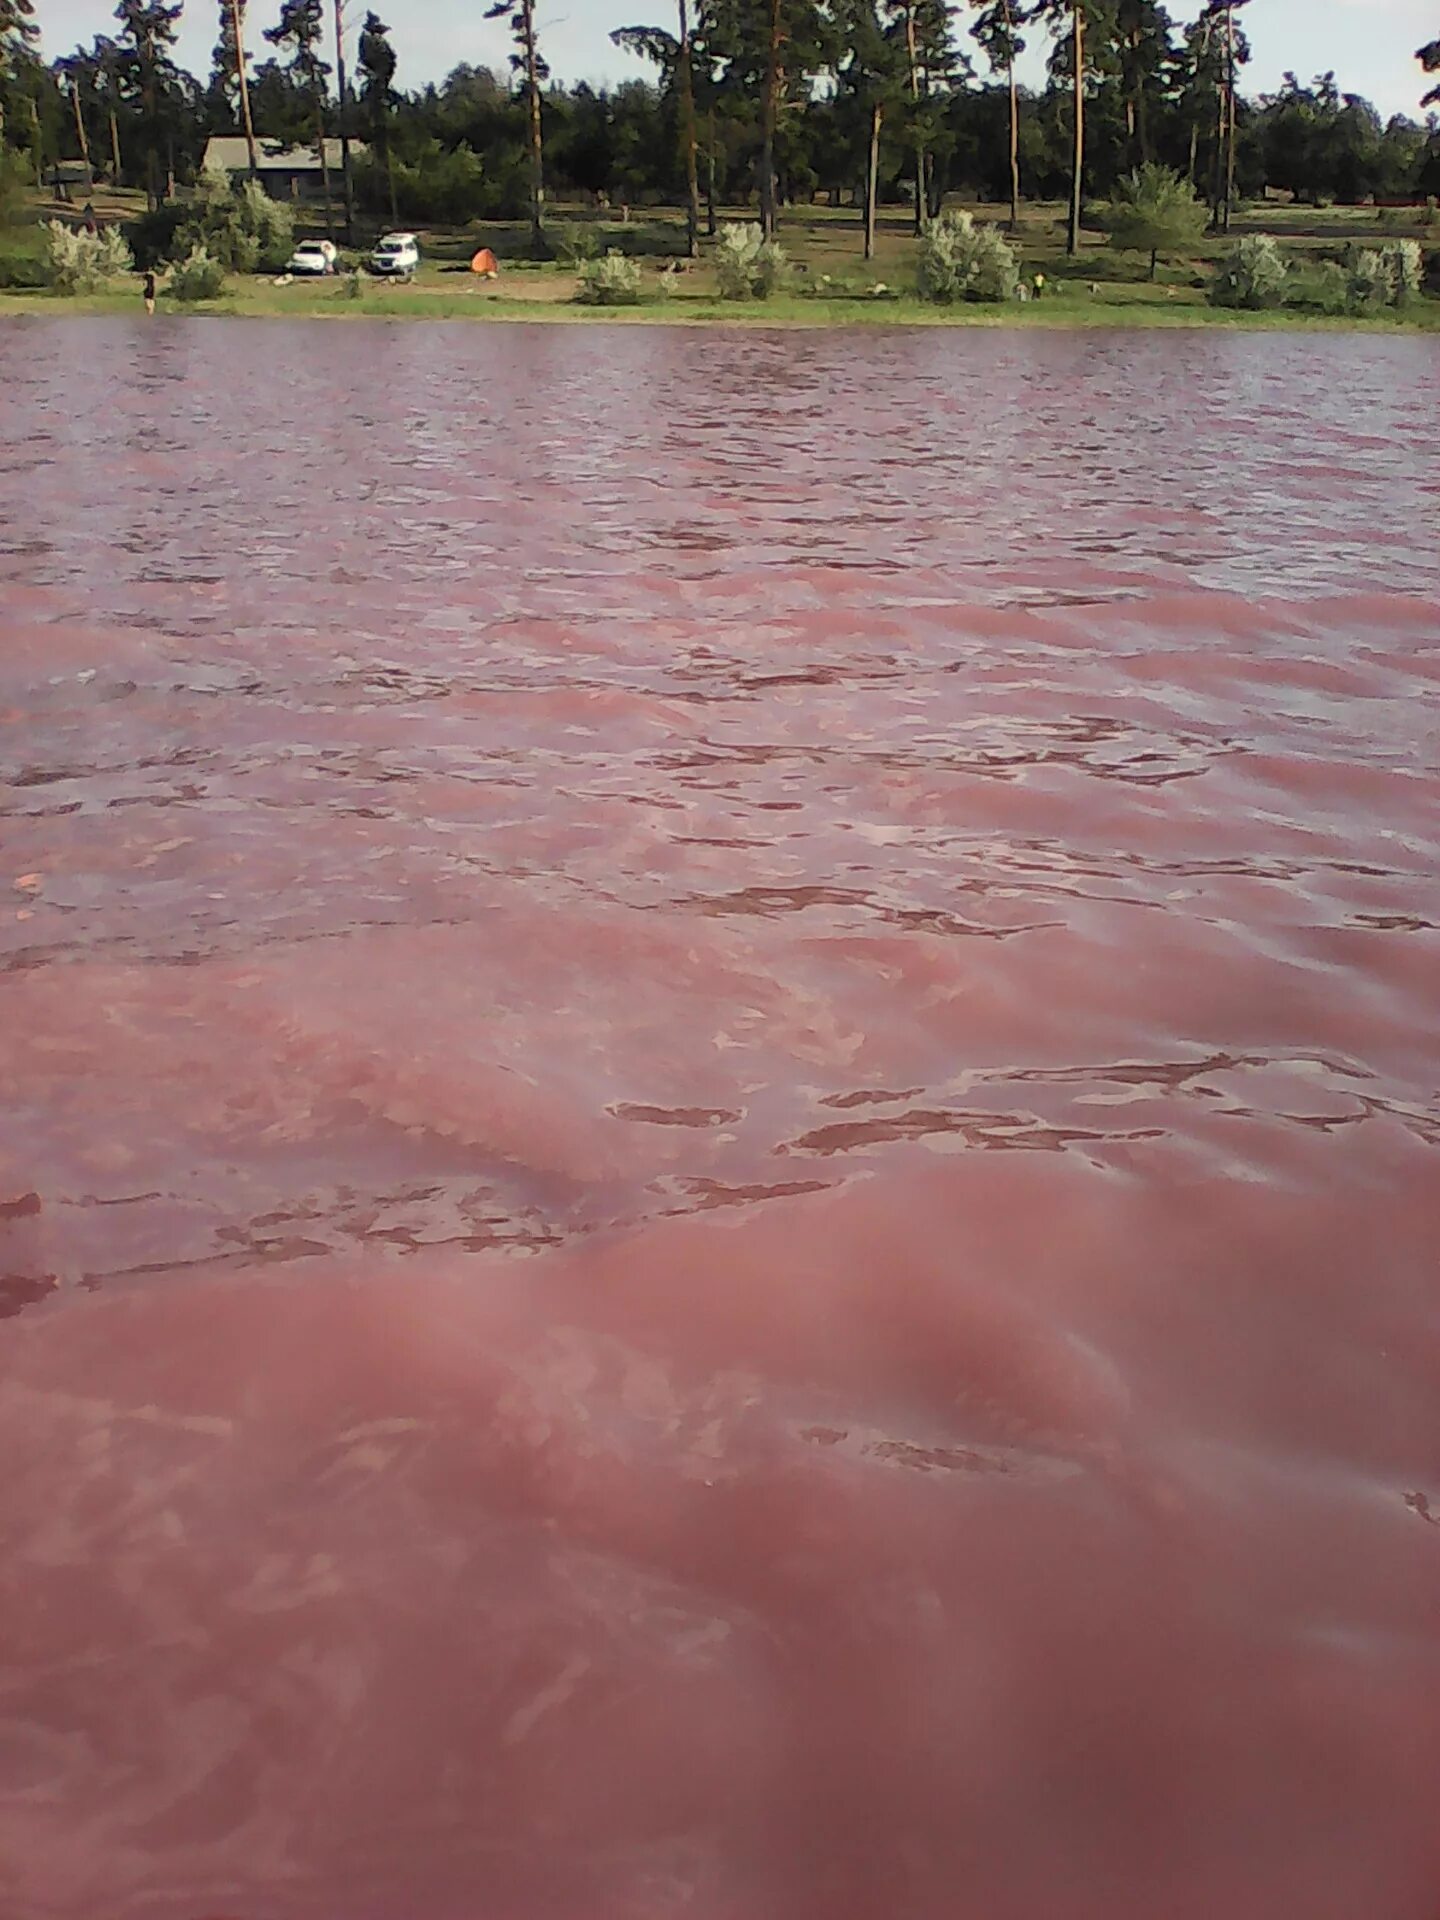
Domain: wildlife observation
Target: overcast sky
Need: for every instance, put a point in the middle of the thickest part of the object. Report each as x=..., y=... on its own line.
x=1369, y=43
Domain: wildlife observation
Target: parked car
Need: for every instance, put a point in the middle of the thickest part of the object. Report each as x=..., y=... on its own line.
x=313, y=257
x=396, y=257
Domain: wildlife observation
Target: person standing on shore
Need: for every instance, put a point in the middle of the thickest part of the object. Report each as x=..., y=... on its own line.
x=150, y=291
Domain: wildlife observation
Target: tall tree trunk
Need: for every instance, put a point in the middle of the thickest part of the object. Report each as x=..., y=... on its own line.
x=710, y=223
x=324, y=165
x=347, y=173
x=1009, y=23
x=115, y=143
x=1193, y=174
x=242, y=80
x=1229, y=115
x=1077, y=180
x=872, y=178
x=770, y=113
x=686, y=73
x=1014, y=151
x=687, y=134
x=80, y=132
x=537, y=135
x=915, y=104
x=152, y=156
x=390, y=179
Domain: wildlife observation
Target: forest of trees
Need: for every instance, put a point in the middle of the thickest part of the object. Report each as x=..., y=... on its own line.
x=868, y=103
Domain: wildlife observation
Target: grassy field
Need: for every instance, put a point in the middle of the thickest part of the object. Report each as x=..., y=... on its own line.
x=833, y=285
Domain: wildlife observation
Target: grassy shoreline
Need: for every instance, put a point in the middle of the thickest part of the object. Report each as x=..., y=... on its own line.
x=1098, y=289
x=550, y=305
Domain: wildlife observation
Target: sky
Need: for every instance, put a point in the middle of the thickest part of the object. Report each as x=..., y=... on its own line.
x=1369, y=43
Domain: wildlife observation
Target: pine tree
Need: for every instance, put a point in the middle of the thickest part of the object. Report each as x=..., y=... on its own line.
x=148, y=66
x=1080, y=26
x=377, y=62
x=873, y=74
x=769, y=52
x=1429, y=58
x=300, y=31
x=998, y=31
x=933, y=62
x=18, y=34
x=676, y=59
x=1223, y=15
x=529, y=63
x=229, y=90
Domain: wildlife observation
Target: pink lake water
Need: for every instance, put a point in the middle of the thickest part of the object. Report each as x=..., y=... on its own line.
x=719, y=1124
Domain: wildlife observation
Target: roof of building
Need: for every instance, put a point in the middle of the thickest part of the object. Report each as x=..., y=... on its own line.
x=229, y=153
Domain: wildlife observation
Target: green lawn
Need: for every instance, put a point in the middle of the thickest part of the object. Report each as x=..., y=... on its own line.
x=833, y=283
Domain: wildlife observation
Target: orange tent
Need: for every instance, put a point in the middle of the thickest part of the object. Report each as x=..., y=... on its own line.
x=484, y=264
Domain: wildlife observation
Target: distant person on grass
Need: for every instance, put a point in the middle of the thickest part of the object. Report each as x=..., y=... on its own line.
x=150, y=291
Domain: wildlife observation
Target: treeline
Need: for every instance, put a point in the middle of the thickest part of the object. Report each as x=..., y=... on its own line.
x=763, y=102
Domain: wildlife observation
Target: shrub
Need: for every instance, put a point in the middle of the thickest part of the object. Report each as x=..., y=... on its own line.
x=1406, y=262
x=199, y=276
x=611, y=281
x=17, y=176
x=81, y=262
x=1371, y=283
x=575, y=243
x=24, y=258
x=1323, y=288
x=962, y=261
x=1154, y=211
x=1253, y=275
x=271, y=222
x=244, y=232
x=747, y=265
x=152, y=235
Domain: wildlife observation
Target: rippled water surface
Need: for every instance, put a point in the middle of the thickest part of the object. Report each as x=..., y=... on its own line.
x=719, y=1189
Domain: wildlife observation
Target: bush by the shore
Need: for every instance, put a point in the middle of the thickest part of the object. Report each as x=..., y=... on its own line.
x=79, y=261
x=962, y=260
x=1252, y=276
x=610, y=281
x=747, y=265
x=199, y=276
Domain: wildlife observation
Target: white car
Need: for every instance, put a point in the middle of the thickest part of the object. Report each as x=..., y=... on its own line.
x=396, y=257
x=313, y=257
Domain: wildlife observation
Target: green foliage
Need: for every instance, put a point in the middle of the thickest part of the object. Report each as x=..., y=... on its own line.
x=271, y=222
x=747, y=265
x=24, y=265
x=1252, y=276
x=1369, y=280
x=16, y=176
x=1388, y=276
x=1154, y=211
x=433, y=185
x=960, y=260
x=199, y=276
x=610, y=281
x=1322, y=288
x=81, y=262
x=575, y=243
x=244, y=232
x=152, y=236
x=1407, y=270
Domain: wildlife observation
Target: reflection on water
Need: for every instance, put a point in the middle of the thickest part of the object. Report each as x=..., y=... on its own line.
x=899, y=874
